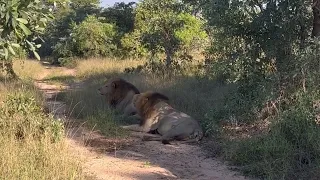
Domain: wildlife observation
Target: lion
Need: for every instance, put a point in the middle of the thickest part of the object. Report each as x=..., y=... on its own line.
x=119, y=94
x=158, y=116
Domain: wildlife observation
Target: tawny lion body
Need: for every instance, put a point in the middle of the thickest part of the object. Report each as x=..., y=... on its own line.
x=119, y=94
x=157, y=115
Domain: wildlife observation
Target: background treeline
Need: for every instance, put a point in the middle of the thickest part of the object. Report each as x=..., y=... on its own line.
x=83, y=29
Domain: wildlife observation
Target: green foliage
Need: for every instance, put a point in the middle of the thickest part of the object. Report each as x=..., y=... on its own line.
x=90, y=38
x=191, y=35
x=79, y=3
x=64, y=48
x=68, y=62
x=263, y=47
x=163, y=26
x=132, y=45
x=291, y=148
x=22, y=117
x=251, y=36
x=257, y=44
x=307, y=67
x=122, y=15
x=93, y=38
x=59, y=31
x=21, y=22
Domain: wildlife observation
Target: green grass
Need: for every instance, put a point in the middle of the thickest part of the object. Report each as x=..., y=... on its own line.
x=31, y=142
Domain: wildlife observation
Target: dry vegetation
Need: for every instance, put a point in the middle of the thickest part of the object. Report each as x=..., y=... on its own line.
x=191, y=94
x=32, y=142
x=200, y=97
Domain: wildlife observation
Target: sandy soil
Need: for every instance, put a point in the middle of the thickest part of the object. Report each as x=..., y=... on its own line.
x=105, y=158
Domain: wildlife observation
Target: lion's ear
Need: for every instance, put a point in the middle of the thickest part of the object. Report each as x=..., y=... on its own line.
x=145, y=100
x=113, y=85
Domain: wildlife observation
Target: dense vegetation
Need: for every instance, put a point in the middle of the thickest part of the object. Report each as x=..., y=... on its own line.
x=268, y=51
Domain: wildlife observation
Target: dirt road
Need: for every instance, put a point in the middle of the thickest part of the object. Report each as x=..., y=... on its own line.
x=135, y=159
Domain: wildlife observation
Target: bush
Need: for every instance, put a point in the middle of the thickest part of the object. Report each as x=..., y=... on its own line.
x=64, y=49
x=181, y=65
x=132, y=46
x=68, y=62
x=31, y=141
x=22, y=117
x=90, y=38
x=290, y=150
x=94, y=38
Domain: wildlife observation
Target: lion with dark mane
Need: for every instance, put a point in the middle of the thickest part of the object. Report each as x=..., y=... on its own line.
x=158, y=116
x=119, y=94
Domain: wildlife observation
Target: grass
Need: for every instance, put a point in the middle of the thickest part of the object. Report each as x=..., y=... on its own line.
x=190, y=94
x=28, y=69
x=31, y=142
x=95, y=67
x=289, y=150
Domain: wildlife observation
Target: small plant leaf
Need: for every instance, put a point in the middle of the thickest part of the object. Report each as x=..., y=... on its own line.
x=6, y=53
x=24, y=21
x=25, y=29
x=11, y=50
x=36, y=55
x=15, y=45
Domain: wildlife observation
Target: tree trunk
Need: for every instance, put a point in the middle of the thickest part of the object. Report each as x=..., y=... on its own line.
x=316, y=18
x=8, y=67
x=168, y=57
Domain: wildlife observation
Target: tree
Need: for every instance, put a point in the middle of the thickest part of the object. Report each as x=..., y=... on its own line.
x=252, y=35
x=316, y=18
x=81, y=3
x=93, y=38
x=164, y=25
x=122, y=15
x=21, y=22
x=65, y=16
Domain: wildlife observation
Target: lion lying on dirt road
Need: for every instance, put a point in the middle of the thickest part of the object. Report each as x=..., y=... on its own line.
x=157, y=115
x=119, y=94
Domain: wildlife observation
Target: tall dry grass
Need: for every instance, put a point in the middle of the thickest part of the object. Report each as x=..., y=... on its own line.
x=96, y=66
x=28, y=69
x=32, y=143
x=191, y=94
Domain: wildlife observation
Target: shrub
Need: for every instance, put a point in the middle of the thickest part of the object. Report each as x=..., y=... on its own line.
x=132, y=46
x=64, y=49
x=68, y=62
x=31, y=141
x=290, y=150
x=22, y=117
x=94, y=38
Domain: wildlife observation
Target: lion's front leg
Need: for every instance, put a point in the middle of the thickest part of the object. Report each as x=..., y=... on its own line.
x=136, y=127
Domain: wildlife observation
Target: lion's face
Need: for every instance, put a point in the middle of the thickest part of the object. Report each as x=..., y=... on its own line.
x=139, y=101
x=116, y=90
x=107, y=89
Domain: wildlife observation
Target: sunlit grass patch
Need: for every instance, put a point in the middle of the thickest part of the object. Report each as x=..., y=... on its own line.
x=32, y=142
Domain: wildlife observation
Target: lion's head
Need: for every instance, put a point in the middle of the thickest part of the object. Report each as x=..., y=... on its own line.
x=116, y=90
